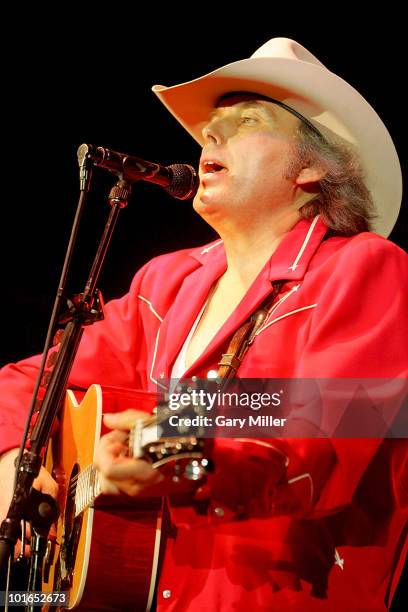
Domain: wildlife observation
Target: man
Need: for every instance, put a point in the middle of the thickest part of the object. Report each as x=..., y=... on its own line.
x=296, y=167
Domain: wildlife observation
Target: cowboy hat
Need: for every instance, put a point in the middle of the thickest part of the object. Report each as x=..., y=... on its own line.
x=284, y=70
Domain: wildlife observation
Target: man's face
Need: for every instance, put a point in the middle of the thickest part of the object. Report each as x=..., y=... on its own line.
x=250, y=142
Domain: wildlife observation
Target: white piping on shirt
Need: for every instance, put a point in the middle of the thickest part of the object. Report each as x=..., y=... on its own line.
x=306, y=475
x=156, y=342
x=338, y=560
x=287, y=314
x=279, y=302
x=204, y=251
x=306, y=240
x=153, y=362
x=291, y=480
x=151, y=307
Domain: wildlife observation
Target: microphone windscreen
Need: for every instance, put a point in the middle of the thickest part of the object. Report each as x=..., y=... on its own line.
x=184, y=182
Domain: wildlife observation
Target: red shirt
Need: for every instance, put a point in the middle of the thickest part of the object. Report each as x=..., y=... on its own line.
x=334, y=539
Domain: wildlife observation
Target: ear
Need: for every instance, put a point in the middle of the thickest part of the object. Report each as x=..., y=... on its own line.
x=311, y=174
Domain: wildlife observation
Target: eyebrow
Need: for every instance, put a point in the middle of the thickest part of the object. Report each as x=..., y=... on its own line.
x=259, y=98
x=247, y=104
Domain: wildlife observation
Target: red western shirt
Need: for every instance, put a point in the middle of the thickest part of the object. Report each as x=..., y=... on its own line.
x=335, y=538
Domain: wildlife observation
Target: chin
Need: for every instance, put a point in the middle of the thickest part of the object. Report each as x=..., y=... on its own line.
x=208, y=208
x=203, y=201
x=212, y=196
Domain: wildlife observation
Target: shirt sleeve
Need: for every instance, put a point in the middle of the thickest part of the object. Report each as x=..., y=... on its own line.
x=111, y=351
x=358, y=331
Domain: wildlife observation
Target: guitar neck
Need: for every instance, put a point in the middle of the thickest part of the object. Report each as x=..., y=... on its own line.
x=86, y=488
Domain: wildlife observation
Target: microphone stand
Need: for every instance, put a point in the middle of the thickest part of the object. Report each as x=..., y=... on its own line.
x=86, y=308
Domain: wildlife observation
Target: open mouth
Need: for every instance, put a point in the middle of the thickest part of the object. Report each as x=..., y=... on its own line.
x=211, y=167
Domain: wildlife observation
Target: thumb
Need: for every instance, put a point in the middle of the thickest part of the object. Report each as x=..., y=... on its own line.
x=124, y=420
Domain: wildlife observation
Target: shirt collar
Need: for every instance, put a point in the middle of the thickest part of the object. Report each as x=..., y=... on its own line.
x=290, y=260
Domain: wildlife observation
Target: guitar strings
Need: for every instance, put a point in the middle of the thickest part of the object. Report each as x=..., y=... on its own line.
x=91, y=470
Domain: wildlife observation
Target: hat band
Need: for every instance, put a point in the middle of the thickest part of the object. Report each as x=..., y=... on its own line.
x=279, y=103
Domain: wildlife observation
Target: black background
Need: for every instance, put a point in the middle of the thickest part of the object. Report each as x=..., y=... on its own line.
x=83, y=74
x=73, y=78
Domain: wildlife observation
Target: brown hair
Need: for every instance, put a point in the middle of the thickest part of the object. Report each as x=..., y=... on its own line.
x=344, y=202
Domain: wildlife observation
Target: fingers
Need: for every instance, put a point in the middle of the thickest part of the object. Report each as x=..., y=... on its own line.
x=46, y=483
x=112, y=462
x=130, y=476
x=129, y=487
x=118, y=472
x=115, y=436
x=124, y=420
x=129, y=469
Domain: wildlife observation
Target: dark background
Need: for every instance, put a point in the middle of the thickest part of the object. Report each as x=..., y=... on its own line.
x=84, y=75
x=74, y=78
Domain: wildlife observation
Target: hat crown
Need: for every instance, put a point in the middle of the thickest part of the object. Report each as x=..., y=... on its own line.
x=286, y=48
x=284, y=70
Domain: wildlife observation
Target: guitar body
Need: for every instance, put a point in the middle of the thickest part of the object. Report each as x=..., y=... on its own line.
x=105, y=555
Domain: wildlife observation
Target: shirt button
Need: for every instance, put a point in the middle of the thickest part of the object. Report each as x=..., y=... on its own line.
x=161, y=375
x=166, y=593
x=219, y=512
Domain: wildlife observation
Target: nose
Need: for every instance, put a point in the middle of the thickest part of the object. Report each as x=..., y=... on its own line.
x=217, y=131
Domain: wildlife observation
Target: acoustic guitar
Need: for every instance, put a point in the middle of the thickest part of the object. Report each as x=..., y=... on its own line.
x=106, y=550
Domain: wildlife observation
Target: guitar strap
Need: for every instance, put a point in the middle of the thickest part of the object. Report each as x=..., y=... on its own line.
x=245, y=335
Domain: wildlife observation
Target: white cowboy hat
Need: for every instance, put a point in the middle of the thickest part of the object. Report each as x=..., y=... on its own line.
x=284, y=70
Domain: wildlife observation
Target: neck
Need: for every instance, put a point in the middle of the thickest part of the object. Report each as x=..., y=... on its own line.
x=248, y=251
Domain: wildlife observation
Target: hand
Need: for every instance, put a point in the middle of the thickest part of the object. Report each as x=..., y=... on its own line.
x=44, y=483
x=119, y=473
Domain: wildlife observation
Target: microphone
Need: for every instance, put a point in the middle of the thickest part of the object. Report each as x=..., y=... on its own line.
x=179, y=180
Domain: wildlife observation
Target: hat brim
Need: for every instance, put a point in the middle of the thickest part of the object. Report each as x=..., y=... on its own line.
x=328, y=101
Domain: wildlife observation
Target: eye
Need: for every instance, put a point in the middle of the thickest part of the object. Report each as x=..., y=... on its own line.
x=247, y=120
